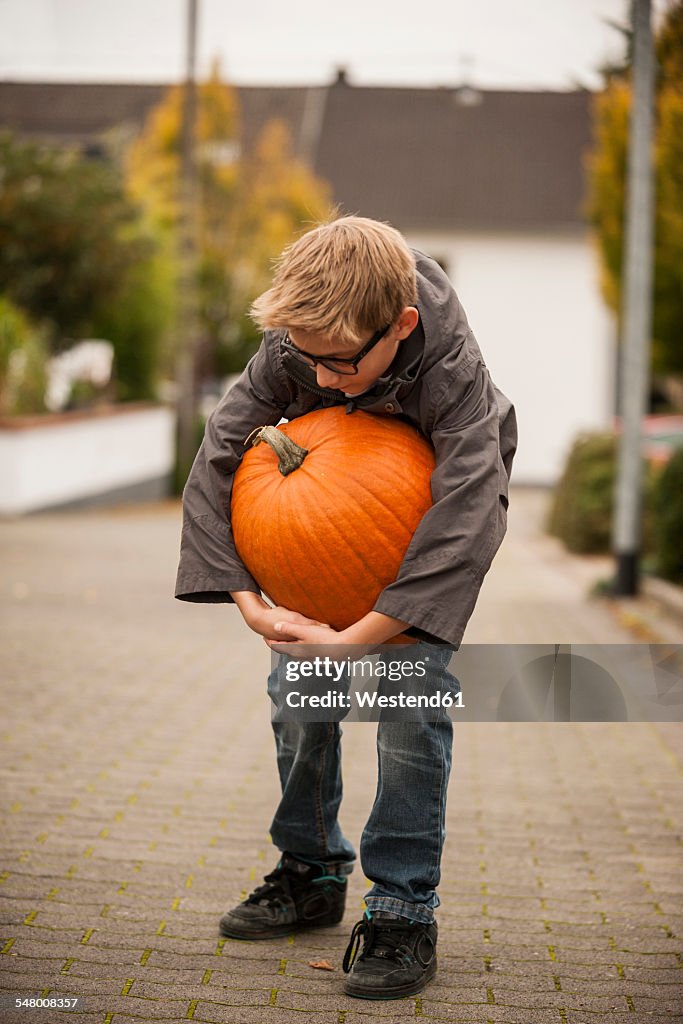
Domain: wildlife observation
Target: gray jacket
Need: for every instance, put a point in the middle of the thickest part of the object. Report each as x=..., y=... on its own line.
x=439, y=382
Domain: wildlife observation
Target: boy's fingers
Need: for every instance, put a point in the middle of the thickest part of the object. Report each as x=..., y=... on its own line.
x=300, y=625
x=288, y=627
x=303, y=620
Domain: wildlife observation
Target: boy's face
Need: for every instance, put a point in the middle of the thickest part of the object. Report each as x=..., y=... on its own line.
x=371, y=366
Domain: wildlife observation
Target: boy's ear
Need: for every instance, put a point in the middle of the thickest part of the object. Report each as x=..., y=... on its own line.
x=407, y=322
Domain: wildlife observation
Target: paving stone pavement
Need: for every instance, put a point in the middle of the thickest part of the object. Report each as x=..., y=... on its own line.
x=138, y=782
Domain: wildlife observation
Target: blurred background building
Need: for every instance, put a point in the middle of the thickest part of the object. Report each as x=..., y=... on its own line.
x=490, y=183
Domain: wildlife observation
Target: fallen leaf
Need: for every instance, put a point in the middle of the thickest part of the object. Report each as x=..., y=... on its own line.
x=321, y=965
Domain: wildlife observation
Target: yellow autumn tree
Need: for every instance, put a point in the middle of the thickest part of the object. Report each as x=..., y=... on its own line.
x=251, y=204
x=607, y=166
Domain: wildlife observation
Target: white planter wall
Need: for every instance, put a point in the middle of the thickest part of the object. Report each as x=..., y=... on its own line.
x=77, y=457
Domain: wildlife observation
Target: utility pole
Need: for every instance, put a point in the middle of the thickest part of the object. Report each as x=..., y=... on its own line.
x=188, y=339
x=636, y=306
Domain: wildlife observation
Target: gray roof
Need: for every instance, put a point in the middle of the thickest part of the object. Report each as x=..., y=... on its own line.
x=420, y=158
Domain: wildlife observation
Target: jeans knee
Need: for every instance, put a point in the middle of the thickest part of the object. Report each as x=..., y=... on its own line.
x=305, y=738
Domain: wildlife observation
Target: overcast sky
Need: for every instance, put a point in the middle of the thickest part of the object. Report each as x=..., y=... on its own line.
x=555, y=44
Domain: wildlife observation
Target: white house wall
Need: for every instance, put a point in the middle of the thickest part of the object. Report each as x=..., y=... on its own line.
x=547, y=338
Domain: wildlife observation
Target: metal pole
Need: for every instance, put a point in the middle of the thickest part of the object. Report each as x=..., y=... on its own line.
x=636, y=307
x=188, y=340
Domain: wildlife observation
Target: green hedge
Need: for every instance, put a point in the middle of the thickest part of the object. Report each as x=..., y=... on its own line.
x=581, y=509
x=23, y=362
x=669, y=517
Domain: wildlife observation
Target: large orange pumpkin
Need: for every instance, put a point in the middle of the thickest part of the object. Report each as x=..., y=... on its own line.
x=324, y=523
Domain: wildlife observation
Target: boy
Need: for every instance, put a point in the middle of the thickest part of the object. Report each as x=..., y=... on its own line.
x=355, y=317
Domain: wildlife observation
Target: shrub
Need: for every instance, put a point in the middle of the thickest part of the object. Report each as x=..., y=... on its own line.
x=77, y=254
x=668, y=503
x=23, y=362
x=582, y=506
x=139, y=326
x=581, y=510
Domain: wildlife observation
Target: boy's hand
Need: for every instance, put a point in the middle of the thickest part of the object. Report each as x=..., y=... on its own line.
x=311, y=637
x=261, y=617
x=359, y=639
x=267, y=619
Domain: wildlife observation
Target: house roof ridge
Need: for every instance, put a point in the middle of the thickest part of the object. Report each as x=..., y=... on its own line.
x=300, y=86
x=421, y=157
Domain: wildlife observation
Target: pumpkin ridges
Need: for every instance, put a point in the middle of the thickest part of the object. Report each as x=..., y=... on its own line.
x=285, y=568
x=387, y=510
x=384, y=471
x=396, y=443
x=306, y=533
x=279, y=513
x=400, y=445
x=414, y=490
x=289, y=582
x=340, y=473
x=349, y=541
x=298, y=536
x=250, y=543
x=309, y=605
x=335, y=580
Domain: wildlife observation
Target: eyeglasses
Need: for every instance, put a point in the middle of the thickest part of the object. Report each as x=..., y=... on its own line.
x=340, y=365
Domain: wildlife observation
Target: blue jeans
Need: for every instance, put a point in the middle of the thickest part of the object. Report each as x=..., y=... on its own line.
x=402, y=841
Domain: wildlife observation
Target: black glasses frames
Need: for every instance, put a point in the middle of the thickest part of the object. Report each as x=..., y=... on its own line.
x=340, y=365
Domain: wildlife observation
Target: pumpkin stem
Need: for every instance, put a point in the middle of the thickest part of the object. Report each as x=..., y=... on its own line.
x=290, y=454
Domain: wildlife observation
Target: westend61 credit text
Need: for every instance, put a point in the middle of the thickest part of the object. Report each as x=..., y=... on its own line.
x=372, y=699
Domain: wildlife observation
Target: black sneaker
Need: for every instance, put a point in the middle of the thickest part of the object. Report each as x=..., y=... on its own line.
x=297, y=894
x=398, y=957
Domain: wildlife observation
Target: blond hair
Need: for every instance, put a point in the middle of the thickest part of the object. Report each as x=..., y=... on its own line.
x=340, y=280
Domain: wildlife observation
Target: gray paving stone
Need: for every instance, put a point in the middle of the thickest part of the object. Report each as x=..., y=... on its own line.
x=147, y=797
x=481, y=1014
x=586, y=1017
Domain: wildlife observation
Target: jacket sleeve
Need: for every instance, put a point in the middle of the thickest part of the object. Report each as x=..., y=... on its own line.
x=209, y=564
x=443, y=569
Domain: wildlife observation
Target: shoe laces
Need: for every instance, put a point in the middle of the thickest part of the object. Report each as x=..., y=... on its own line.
x=388, y=939
x=279, y=887
x=276, y=888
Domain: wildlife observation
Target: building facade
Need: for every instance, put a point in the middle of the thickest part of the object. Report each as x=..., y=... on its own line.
x=491, y=183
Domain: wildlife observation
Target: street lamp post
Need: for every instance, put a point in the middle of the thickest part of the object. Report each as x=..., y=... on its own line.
x=636, y=307
x=188, y=340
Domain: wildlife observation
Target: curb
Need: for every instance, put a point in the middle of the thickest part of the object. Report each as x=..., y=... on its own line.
x=666, y=594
